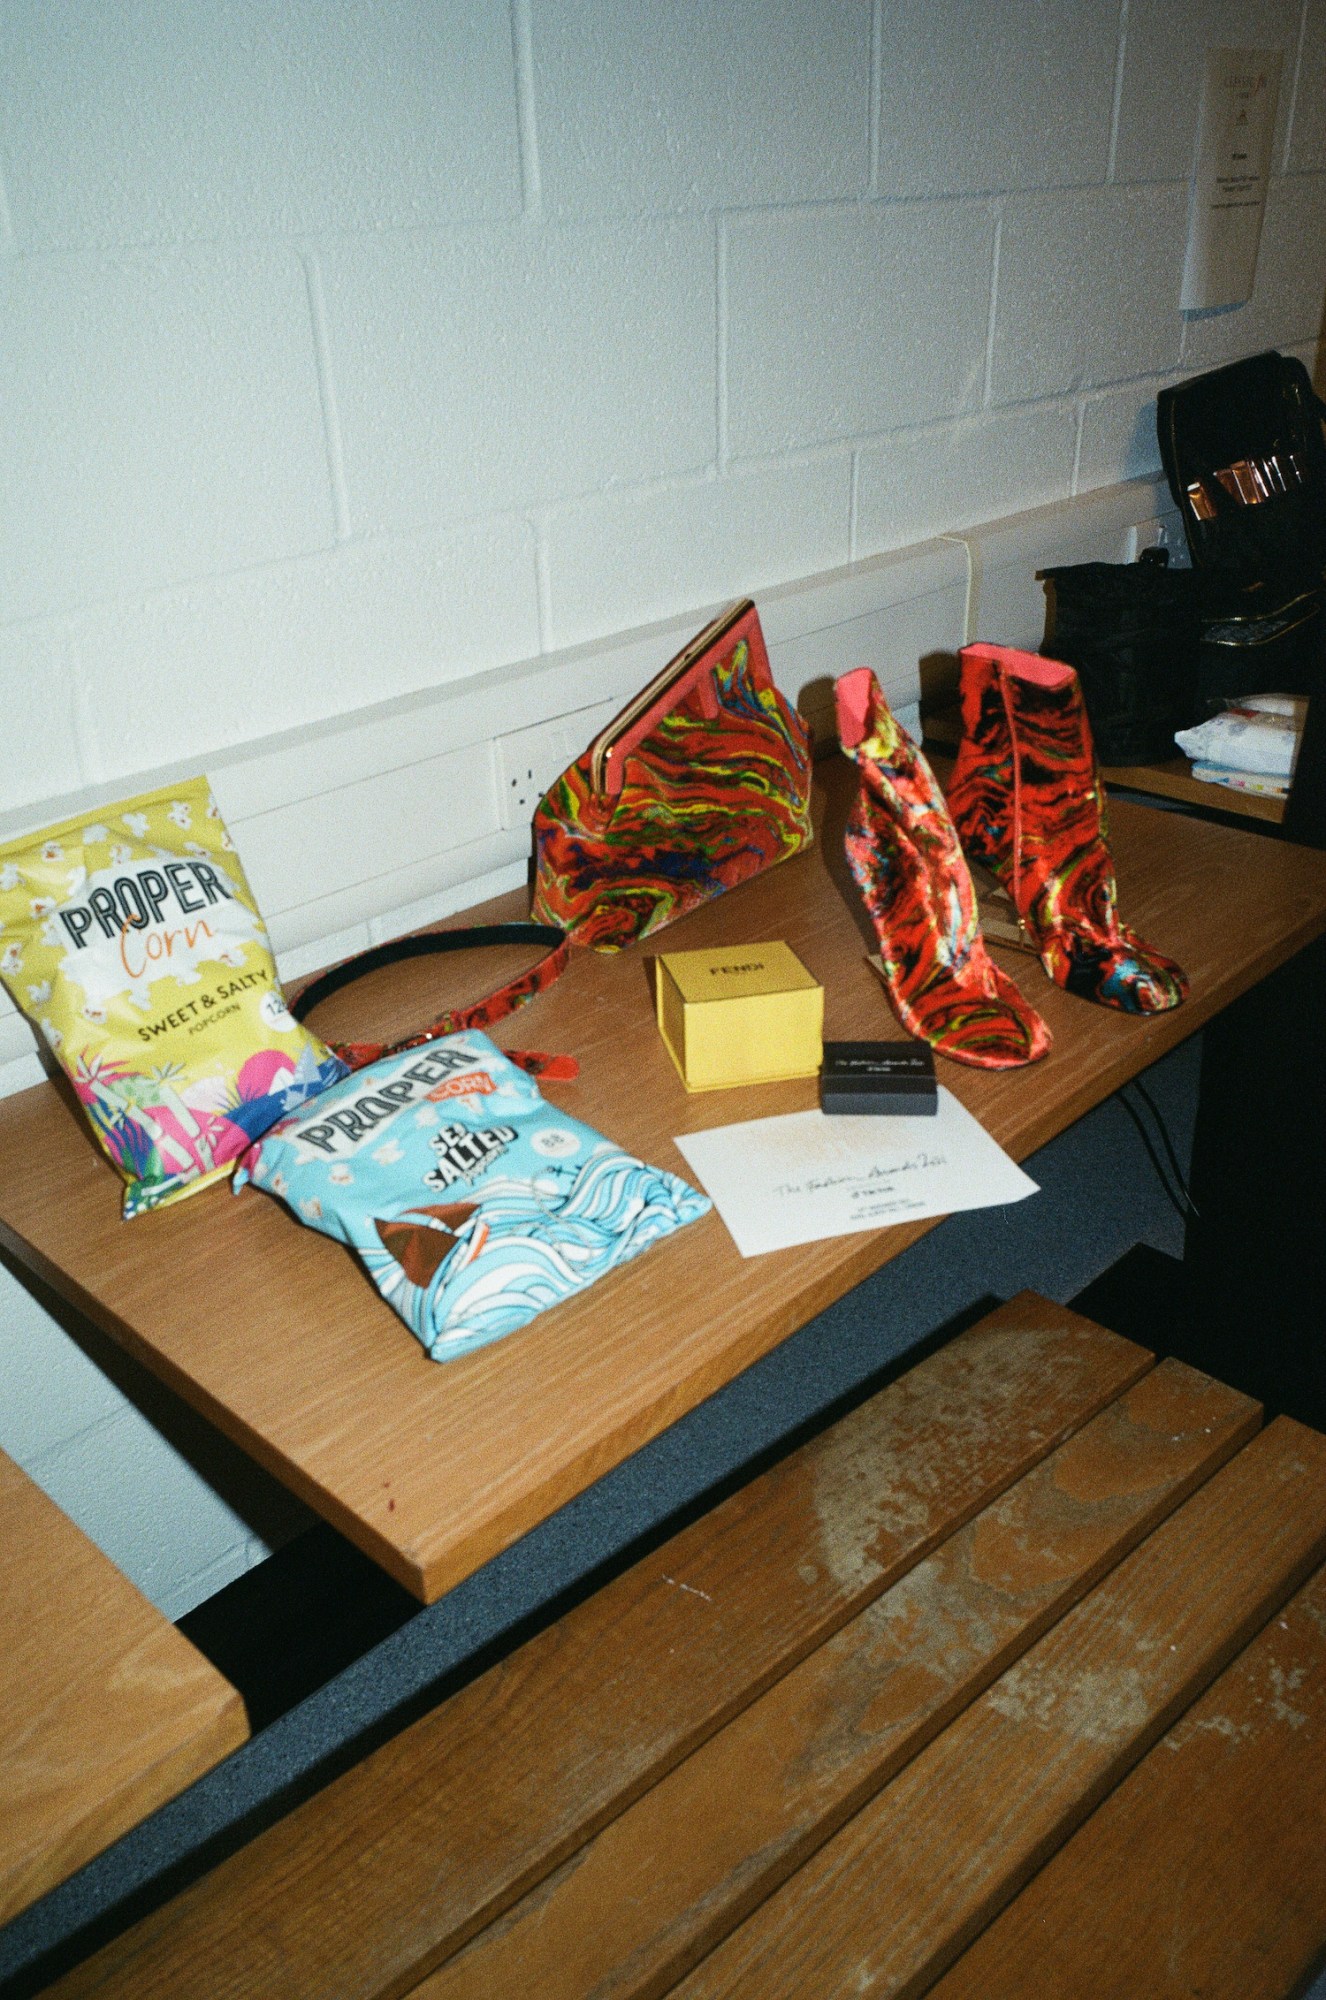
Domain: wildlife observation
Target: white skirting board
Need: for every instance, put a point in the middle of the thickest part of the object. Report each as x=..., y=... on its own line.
x=358, y=828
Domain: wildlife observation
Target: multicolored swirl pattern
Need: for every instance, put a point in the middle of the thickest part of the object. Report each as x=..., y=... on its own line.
x=1027, y=801
x=705, y=805
x=904, y=854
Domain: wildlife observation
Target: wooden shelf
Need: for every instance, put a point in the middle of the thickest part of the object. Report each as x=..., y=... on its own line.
x=1174, y=780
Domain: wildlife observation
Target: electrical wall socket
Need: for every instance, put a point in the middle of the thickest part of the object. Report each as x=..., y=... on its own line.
x=1152, y=534
x=528, y=760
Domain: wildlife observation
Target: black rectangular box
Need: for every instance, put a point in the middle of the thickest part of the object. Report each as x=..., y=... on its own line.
x=874, y=1079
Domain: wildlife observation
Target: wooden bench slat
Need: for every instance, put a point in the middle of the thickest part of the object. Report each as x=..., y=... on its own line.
x=894, y=1897
x=106, y=1711
x=664, y=1883
x=1213, y=1852
x=435, y=1834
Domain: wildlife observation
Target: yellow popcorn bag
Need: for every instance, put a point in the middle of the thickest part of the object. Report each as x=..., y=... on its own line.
x=131, y=939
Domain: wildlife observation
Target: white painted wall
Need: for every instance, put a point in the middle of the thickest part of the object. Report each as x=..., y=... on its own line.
x=354, y=348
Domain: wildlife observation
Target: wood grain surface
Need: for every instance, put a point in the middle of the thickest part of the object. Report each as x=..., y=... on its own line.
x=367, y=1886
x=106, y=1711
x=893, y=1898
x=660, y=1886
x=1214, y=1847
x=1173, y=779
x=275, y=1334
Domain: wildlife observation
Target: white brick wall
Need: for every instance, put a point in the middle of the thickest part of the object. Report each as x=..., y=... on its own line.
x=351, y=351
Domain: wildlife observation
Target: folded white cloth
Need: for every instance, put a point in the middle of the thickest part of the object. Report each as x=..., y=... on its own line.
x=1249, y=737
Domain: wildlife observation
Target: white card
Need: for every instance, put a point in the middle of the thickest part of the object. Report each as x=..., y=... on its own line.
x=780, y=1181
x=1239, y=96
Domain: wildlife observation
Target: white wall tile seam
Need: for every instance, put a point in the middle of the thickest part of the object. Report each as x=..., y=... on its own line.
x=9, y=246
x=706, y=477
x=995, y=190
x=628, y=216
x=863, y=204
x=32, y=1460
x=364, y=539
x=527, y=109
x=993, y=312
x=1120, y=57
x=853, y=499
x=1279, y=176
x=723, y=442
x=423, y=526
x=675, y=211
x=542, y=579
x=87, y=743
x=964, y=542
x=876, y=90
x=962, y=423
x=1296, y=74
x=543, y=223
x=329, y=236
x=331, y=420
x=1158, y=379
x=110, y=248
x=1124, y=189
x=1077, y=448
x=1122, y=184
x=1100, y=392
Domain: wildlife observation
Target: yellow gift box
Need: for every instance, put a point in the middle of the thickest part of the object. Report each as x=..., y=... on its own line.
x=746, y=1013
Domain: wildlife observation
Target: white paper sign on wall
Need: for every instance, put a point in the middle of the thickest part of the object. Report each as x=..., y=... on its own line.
x=1229, y=185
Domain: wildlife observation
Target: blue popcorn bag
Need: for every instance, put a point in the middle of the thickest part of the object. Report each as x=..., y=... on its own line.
x=471, y=1202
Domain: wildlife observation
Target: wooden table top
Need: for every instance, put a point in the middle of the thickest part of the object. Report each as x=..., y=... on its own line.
x=274, y=1333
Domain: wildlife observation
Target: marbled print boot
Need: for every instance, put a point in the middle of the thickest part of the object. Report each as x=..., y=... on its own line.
x=904, y=855
x=1028, y=804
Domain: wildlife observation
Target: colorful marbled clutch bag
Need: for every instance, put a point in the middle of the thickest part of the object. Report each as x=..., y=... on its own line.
x=701, y=782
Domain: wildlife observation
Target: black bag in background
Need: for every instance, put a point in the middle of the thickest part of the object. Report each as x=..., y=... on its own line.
x=1245, y=458
x=1132, y=631
x=1264, y=649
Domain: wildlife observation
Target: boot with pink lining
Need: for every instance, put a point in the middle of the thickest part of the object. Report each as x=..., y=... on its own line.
x=1028, y=804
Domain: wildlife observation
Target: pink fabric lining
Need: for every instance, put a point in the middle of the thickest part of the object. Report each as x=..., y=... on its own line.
x=1027, y=666
x=852, y=694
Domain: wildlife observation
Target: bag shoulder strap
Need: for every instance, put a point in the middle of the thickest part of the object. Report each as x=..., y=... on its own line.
x=477, y=1014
